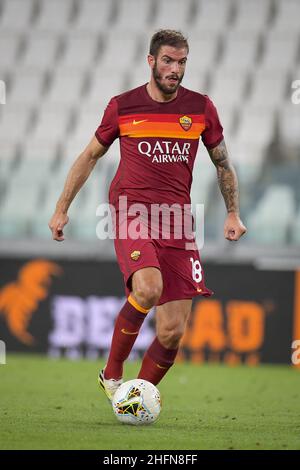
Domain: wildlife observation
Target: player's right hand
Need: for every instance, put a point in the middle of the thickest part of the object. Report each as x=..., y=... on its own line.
x=56, y=225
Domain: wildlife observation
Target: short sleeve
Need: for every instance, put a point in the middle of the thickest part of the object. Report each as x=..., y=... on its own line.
x=108, y=130
x=213, y=132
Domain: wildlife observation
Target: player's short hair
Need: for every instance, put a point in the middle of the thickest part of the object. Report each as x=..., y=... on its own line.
x=167, y=37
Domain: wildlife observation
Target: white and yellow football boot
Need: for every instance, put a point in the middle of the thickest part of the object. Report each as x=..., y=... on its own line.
x=109, y=386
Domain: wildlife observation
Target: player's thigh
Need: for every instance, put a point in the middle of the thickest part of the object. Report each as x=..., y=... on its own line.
x=147, y=282
x=173, y=315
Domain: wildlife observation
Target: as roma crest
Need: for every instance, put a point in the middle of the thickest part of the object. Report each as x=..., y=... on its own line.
x=185, y=122
x=135, y=255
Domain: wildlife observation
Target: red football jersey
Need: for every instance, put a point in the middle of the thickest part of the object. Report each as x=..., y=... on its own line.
x=158, y=143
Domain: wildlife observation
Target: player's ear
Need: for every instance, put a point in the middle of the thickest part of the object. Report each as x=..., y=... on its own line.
x=151, y=60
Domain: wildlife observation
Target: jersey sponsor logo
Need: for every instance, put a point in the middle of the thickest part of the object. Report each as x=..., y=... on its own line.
x=20, y=299
x=135, y=255
x=185, y=122
x=165, y=151
x=139, y=122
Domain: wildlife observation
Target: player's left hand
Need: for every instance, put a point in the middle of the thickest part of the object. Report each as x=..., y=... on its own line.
x=233, y=227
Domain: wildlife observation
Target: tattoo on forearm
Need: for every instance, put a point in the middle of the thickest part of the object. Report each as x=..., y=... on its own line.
x=226, y=176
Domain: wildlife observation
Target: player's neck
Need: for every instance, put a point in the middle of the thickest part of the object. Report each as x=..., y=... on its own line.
x=157, y=95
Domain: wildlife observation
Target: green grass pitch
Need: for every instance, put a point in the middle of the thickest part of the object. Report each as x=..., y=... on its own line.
x=56, y=404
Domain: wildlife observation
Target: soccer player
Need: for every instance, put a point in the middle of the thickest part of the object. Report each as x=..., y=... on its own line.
x=158, y=125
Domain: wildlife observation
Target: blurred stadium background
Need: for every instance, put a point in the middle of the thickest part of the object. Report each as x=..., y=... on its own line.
x=61, y=61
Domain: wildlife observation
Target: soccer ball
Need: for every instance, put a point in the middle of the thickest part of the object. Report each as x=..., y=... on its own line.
x=137, y=402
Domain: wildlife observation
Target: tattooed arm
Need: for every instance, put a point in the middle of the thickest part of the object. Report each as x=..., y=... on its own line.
x=233, y=228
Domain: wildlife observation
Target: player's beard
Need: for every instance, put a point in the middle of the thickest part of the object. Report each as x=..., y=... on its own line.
x=167, y=90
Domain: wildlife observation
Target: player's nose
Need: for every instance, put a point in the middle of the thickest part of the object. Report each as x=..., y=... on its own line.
x=175, y=67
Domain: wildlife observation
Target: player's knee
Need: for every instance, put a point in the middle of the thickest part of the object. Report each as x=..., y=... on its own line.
x=148, y=294
x=170, y=335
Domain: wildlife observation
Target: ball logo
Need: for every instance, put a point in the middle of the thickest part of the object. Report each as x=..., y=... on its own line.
x=185, y=122
x=135, y=255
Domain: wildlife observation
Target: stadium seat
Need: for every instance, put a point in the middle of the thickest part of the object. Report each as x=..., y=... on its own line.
x=41, y=51
x=10, y=43
x=93, y=16
x=289, y=126
x=48, y=18
x=173, y=14
x=202, y=54
x=228, y=89
x=119, y=53
x=252, y=16
x=39, y=223
x=66, y=88
x=295, y=229
x=84, y=219
x=240, y=53
x=210, y=17
x=256, y=122
x=268, y=92
x=72, y=147
x=88, y=120
x=278, y=203
x=104, y=85
x=36, y=163
x=82, y=212
x=14, y=122
x=287, y=16
x=16, y=15
x=280, y=50
x=228, y=116
x=15, y=216
x=248, y=157
x=27, y=87
x=81, y=51
x=8, y=153
x=51, y=120
x=139, y=76
x=204, y=176
x=127, y=14
x=195, y=82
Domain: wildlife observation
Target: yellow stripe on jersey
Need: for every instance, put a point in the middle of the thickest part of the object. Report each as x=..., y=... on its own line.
x=161, y=129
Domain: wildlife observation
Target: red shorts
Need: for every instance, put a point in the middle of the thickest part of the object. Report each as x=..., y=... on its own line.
x=181, y=269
